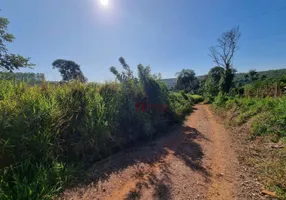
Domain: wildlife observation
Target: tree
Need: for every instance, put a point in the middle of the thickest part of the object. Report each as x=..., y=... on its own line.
x=216, y=73
x=246, y=78
x=9, y=61
x=69, y=70
x=263, y=77
x=211, y=86
x=202, y=82
x=187, y=80
x=223, y=55
x=254, y=76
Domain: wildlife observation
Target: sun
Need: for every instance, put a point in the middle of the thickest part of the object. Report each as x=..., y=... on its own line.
x=104, y=2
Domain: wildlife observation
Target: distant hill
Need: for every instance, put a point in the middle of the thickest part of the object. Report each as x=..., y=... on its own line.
x=276, y=73
x=171, y=82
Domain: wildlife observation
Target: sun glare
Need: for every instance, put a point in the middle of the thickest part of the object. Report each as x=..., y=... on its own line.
x=104, y=2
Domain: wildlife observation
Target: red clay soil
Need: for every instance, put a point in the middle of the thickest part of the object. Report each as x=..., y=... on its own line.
x=195, y=161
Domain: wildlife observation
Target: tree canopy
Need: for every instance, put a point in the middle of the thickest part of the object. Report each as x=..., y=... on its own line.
x=216, y=73
x=214, y=78
x=69, y=70
x=254, y=76
x=187, y=80
x=9, y=61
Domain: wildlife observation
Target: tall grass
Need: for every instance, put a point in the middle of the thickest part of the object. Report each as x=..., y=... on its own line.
x=266, y=117
x=268, y=114
x=266, y=88
x=49, y=132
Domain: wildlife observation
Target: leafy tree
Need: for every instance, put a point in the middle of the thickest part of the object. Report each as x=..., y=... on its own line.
x=69, y=70
x=211, y=86
x=263, y=77
x=187, y=80
x=9, y=61
x=216, y=73
x=246, y=78
x=223, y=55
x=254, y=76
x=202, y=82
x=283, y=82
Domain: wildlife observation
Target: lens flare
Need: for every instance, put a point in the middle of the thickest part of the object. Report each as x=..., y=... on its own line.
x=104, y=2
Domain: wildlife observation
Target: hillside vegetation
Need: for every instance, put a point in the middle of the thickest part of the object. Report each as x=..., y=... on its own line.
x=260, y=106
x=239, y=77
x=266, y=118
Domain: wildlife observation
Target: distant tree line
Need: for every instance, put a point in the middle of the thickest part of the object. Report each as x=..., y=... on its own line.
x=20, y=76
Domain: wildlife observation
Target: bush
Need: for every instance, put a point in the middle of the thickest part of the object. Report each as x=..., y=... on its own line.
x=220, y=100
x=197, y=98
x=182, y=104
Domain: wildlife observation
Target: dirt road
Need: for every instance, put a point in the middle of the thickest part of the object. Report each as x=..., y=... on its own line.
x=195, y=161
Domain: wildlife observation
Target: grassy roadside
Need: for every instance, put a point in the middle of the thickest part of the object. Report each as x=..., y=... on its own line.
x=50, y=133
x=265, y=120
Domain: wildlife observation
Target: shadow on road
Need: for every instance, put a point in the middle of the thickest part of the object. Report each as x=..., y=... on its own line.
x=190, y=151
x=181, y=141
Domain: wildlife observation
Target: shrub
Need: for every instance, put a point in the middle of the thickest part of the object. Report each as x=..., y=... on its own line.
x=220, y=100
x=197, y=98
x=181, y=104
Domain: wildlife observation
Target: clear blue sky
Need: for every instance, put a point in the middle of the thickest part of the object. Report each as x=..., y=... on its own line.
x=167, y=34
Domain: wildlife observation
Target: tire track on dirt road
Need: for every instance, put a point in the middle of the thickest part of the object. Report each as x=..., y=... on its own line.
x=194, y=161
